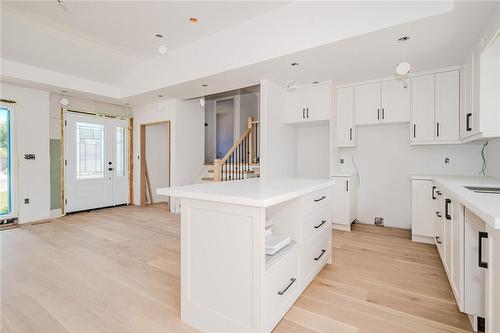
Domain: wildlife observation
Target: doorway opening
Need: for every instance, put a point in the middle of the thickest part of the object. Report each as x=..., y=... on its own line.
x=5, y=164
x=155, y=162
x=224, y=113
x=96, y=161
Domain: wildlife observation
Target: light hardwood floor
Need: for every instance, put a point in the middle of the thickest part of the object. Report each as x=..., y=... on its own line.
x=118, y=270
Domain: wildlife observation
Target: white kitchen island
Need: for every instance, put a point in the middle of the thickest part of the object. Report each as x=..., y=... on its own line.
x=228, y=283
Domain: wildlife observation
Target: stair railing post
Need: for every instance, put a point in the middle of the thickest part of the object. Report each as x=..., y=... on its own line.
x=250, y=151
x=217, y=170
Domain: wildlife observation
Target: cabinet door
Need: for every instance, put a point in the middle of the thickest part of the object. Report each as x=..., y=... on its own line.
x=493, y=281
x=423, y=109
x=457, y=244
x=447, y=110
x=345, y=117
x=295, y=106
x=395, y=101
x=340, y=202
x=475, y=276
x=466, y=110
x=423, y=212
x=447, y=239
x=367, y=104
x=319, y=107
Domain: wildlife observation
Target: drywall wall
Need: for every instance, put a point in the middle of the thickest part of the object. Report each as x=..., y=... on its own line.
x=187, y=135
x=278, y=142
x=157, y=158
x=249, y=107
x=31, y=136
x=493, y=158
x=386, y=160
x=313, y=155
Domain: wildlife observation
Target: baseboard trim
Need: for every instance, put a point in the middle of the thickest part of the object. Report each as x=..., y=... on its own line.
x=342, y=227
x=422, y=239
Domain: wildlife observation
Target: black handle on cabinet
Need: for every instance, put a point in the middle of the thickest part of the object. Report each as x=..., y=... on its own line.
x=319, y=225
x=350, y=134
x=414, y=130
x=481, y=263
x=447, y=203
x=378, y=114
x=347, y=186
x=437, y=240
x=322, y=198
x=437, y=129
x=303, y=113
x=322, y=252
x=467, y=122
x=110, y=169
x=438, y=214
x=307, y=113
x=281, y=292
x=383, y=113
x=434, y=193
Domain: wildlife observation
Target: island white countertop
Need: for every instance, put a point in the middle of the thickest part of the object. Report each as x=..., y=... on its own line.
x=486, y=206
x=255, y=192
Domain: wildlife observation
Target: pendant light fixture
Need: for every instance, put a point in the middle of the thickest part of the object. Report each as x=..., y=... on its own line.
x=403, y=68
x=291, y=84
x=202, y=98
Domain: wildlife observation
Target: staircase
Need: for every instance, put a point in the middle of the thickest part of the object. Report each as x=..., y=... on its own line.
x=241, y=161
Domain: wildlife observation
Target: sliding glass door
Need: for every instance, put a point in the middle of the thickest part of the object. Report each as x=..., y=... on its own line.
x=5, y=163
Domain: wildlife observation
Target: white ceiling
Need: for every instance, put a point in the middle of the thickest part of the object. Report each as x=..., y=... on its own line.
x=130, y=26
x=105, y=41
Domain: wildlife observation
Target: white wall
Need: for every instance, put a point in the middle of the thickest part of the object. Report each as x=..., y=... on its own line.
x=313, y=152
x=493, y=158
x=187, y=141
x=386, y=160
x=278, y=141
x=157, y=158
x=249, y=107
x=31, y=136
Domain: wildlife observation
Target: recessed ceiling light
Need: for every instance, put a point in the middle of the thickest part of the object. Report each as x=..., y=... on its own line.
x=315, y=82
x=64, y=91
x=193, y=20
x=294, y=64
x=158, y=35
x=160, y=96
x=403, y=38
x=204, y=85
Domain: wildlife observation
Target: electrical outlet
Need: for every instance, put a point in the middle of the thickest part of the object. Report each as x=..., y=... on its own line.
x=446, y=160
x=26, y=201
x=379, y=221
x=341, y=161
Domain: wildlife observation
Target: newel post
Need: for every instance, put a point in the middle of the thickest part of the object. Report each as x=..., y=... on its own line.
x=250, y=141
x=217, y=170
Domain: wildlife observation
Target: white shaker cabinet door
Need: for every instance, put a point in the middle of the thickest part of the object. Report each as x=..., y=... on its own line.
x=423, y=109
x=367, y=104
x=395, y=101
x=345, y=117
x=447, y=110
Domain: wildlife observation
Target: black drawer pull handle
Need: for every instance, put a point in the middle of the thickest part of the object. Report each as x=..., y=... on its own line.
x=438, y=214
x=437, y=240
x=468, y=128
x=319, y=225
x=434, y=192
x=322, y=198
x=322, y=252
x=447, y=203
x=482, y=263
x=281, y=292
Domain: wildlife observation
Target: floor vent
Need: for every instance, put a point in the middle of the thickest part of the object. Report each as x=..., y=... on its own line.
x=379, y=221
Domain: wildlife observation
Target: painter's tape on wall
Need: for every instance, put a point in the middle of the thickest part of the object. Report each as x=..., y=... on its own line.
x=55, y=173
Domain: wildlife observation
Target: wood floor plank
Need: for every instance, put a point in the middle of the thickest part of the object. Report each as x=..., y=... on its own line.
x=118, y=270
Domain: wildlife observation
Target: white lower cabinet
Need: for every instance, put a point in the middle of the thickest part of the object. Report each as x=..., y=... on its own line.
x=343, y=204
x=469, y=250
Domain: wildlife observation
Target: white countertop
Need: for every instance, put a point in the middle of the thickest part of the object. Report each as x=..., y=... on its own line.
x=254, y=192
x=486, y=206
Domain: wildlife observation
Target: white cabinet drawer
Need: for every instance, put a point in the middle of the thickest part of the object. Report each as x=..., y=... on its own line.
x=316, y=200
x=316, y=222
x=281, y=289
x=315, y=255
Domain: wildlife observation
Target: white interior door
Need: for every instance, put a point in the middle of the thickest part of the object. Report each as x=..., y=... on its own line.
x=96, y=168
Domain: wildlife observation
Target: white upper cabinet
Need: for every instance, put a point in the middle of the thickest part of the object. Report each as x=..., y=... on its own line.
x=308, y=104
x=422, y=127
x=367, y=104
x=382, y=102
x=345, y=117
x=395, y=103
x=436, y=108
x=447, y=110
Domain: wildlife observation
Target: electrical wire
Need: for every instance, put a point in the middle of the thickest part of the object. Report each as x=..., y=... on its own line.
x=356, y=167
x=483, y=158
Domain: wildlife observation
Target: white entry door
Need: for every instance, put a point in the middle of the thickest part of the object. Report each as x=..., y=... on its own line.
x=96, y=162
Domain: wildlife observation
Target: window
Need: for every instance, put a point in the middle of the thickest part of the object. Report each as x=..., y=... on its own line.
x=120, y=151
x=89, y=150
x=5, y=162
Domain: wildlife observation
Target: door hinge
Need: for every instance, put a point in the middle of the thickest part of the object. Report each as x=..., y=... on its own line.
x=65, y=201
x=65, y=162
x=65, y=123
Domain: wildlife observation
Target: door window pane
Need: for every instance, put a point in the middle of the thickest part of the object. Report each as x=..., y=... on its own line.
x=120, y=151
x=5, y=158
x=89, y=150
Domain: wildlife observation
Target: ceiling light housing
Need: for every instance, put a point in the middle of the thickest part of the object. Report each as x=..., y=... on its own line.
x=403, y=68
x=193, y=20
